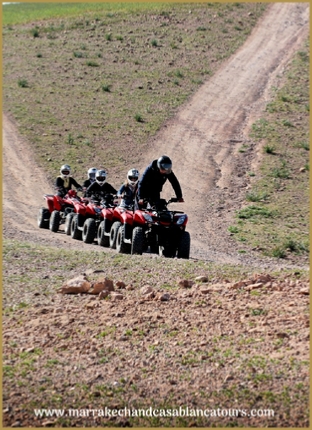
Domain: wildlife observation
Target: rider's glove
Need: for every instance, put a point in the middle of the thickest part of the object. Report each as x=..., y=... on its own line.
x=141, y=202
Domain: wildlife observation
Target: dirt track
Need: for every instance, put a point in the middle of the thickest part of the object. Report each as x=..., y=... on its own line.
x=203, y=140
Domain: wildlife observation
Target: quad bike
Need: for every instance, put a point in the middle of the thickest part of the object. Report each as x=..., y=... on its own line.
x=121, y=229
x=162, y=230
x=93, y=219
x=57, y=210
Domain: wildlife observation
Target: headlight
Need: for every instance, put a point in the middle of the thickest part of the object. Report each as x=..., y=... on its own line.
x=148, y=218
x=181, y=219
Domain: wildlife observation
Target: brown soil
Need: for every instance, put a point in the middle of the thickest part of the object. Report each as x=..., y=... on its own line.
x=203, y=141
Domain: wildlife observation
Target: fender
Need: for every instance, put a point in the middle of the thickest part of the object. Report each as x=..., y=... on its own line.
x=58, y=202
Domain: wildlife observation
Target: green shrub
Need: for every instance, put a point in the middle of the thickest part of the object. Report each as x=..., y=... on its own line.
x=35, y=32
x=106, y=88
x=269, y=149
x=233, y=229
x=22, y=83
x=256, y=197
x=92, y=64
x=138, y=117
x=278, y=252
x=253, y=211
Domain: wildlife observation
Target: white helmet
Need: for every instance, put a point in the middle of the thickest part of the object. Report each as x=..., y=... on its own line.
x=91, y=173
x=100, y=176
x=65, y=170
x=133, y=176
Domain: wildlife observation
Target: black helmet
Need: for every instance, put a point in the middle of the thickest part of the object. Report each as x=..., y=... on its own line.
x=165, y=164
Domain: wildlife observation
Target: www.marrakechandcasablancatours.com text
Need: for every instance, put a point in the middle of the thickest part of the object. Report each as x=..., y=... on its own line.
x=152, y=412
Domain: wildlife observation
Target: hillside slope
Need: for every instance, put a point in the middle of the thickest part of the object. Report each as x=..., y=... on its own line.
x=202, y=139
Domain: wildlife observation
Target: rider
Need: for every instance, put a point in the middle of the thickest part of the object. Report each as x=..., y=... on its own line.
x=91, y=178
x=100, y=188
x=128, y=189
x=152, y=180
x=64, y=182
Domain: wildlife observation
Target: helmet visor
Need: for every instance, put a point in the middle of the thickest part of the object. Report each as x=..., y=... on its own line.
x=101, y=178
x=165, y=168
x=133, y=178
x=65, y=172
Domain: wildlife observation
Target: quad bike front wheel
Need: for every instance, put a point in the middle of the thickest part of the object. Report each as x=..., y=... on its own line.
x=121, y=246
x=113, y=234
x=102, y=239
x=43, y=218
x=89, y=231
x=184, y=245
x=167, y=251
x=55, y=220
x=75, y=232
x=68, y=222
x=137, y=241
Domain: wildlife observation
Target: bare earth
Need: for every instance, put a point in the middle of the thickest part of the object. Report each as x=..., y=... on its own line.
x=203, y=141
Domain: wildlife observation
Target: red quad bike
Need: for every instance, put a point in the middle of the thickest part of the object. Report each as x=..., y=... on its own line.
x=162, y=230
x=94, y=220
x=121, y=229
x=57, y=210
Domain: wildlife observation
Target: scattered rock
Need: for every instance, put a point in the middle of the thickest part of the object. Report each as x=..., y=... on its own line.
x=103, y=294
x=116, y=296
x=163, y=297
x=201, y=279
x=120, y=285
x=146, y=289
x=99, y=286
x=184, y=283
x=77, y=285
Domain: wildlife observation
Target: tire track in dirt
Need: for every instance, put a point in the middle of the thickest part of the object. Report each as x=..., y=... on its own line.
x=204, y=137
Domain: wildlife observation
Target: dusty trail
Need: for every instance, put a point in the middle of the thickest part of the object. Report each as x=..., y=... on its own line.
x=202, y=139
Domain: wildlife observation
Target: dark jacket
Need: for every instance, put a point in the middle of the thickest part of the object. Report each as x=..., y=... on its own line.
x=62, y=188
x=86, y=185
x=151, y=183
x=96, y=189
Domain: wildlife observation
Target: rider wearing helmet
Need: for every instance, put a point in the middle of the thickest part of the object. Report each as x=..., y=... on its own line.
x=64, y=182
x=154, y=177
x=91, y=178
x=100, y=187
x=128, y=189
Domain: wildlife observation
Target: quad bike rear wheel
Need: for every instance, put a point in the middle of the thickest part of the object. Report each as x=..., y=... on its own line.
x=121, y=246
x=68, y=222
x=55, y=220
x=102, y=239
x=89, y=231
x=184, y=245
x=113, y=234
x=137, y=241
x=43, y=218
